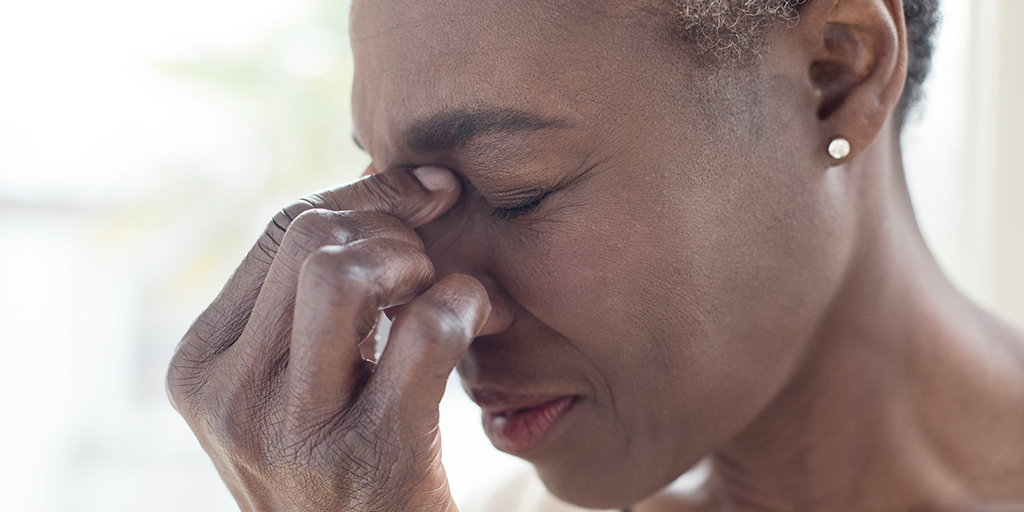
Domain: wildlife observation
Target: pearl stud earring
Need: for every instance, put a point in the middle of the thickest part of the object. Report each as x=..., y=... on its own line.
x=839, y=148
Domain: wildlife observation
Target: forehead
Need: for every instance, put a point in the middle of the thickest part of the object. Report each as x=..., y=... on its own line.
x=562, y=58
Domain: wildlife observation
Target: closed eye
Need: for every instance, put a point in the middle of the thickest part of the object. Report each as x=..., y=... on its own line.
x=521, y=209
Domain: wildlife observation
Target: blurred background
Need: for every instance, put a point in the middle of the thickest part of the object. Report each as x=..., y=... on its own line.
x=143, y=145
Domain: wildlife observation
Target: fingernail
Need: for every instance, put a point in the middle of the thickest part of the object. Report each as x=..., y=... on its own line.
x=436, y=179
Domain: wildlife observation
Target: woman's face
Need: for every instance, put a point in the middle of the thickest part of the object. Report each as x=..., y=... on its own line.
x=664, y=237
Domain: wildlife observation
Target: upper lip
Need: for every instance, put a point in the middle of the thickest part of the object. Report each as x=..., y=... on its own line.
x=498, y=402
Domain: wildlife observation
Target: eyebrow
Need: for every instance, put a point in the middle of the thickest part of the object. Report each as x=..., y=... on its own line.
x=453, y=129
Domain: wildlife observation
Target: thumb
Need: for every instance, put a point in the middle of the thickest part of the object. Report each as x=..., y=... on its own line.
x=429, y=337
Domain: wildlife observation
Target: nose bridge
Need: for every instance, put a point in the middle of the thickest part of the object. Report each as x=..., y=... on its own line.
x=454, y=244
x=461, y=246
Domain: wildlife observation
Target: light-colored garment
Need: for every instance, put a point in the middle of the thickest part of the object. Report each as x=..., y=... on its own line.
x=523, y=493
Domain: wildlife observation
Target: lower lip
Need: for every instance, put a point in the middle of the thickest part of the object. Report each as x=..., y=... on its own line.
x=518, y=432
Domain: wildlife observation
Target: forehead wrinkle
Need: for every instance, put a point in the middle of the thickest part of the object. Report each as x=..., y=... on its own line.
x=453, y=129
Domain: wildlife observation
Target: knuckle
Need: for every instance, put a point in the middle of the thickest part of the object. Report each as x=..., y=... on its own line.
x=388, y=253
x=395, y=256
x=220, y=325
x=307, y=233
x=231, y=423
x=364, y=276
x=187, y=372
x=304, y=226
x=316, y=228
x=439, y=322
x=385, y=191
x=235, y=420
x=182, y=382
x=352, y=272
x=315, y=224
x=318, y=200
x=273, y=234
x=370, y=225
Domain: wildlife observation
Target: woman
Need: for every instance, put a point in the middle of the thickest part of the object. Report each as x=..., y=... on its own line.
x=647, y=235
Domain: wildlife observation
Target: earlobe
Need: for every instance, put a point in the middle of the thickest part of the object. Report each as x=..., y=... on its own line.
x=859, y=68
x=839, y=148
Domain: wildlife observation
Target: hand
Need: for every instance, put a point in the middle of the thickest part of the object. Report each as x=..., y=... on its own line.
x=270, y=376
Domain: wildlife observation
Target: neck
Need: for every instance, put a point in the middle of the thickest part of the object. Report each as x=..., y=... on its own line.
x=909, y=395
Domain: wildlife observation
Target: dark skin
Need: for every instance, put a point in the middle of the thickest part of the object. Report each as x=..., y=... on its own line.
x=602, y=217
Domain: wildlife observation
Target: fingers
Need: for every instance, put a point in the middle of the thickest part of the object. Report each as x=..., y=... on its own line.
x=297, y=308
x=340, y=292
x=414, y=197
x=260, y=351
x=429, y=337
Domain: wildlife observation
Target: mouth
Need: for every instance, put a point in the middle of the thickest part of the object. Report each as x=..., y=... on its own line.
x=516, y=424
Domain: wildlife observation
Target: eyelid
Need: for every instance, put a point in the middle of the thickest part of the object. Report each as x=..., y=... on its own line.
x=532, y=198
x=524, y=207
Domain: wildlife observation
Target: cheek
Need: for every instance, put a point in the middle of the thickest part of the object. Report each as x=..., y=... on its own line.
x=709, y=293
x=620, y=294
x=575, y=276
x=692, y=305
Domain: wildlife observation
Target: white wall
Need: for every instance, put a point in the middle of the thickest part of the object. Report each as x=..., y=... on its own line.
x=128, y=192
x=963, y=168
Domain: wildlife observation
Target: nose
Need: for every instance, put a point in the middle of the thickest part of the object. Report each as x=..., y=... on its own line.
x=502, y=311
x=453, y=247
x=457, y=243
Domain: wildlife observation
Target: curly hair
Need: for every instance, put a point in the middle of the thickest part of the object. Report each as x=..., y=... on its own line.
x=735, y=30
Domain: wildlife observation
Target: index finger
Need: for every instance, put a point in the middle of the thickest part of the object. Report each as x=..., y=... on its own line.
x=415, y=196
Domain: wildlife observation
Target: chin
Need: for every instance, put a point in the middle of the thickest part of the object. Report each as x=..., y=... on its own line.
x=586, y=493
x=616, y=468
x=608, y=483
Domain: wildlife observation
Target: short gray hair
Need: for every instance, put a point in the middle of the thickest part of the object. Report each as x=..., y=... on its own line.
x=733, y=31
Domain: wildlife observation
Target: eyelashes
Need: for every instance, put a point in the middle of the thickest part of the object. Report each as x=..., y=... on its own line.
x=521, y=209
x=510, y=212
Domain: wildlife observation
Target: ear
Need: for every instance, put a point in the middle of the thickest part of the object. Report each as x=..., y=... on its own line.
x=855, y=52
